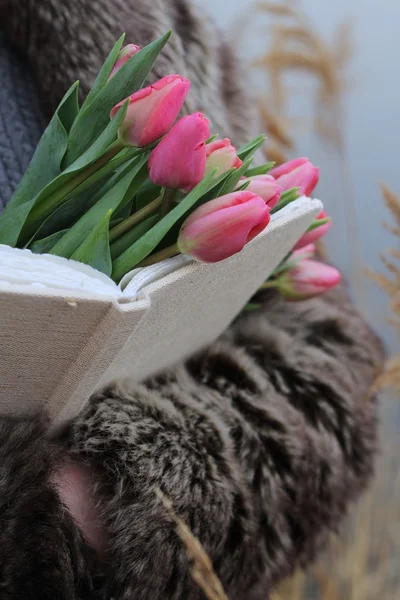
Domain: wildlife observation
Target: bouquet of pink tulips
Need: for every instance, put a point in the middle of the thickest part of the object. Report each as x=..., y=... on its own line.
x=120, y=183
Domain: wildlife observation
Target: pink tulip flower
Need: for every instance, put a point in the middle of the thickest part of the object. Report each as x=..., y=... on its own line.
x=222, y=227
x=304, y=252
x=307, y=279
x=300, y=173
x=312, y=236
x=152, y=111
x=288, y=167
x=126, y=53
x=264, y=186
x=222, y=155
x=179, y=160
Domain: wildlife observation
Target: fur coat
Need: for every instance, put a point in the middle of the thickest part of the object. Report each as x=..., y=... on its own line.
x=261, y=441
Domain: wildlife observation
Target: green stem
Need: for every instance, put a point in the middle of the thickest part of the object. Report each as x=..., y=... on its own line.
x=269, y=284
x=133, y=220
x=317, y=223
x=251, y=307
x=105, y=170
x=168, y=198
x=159, y=256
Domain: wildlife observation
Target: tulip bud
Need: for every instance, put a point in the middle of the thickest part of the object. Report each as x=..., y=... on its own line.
x=222, y=155
x=304, y=252
x=316, y=233
x=222, y=227
x=264, y=186
x=307, y=279
x=179, y=160
x=126, y=53
x=298, y=173
x=288, y=167
x=152, y=111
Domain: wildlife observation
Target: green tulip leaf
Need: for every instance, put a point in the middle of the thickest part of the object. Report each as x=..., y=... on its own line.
x=65, y=215
x=126, y=211
x=261, y=170
x=212, y=138
x=230, y=183
x=95, y=249
x=46, y=161
x=126, y=81
x=243, y=187
x=127, y=240
x=287, y=197
x=83, y=199
x=147, y=193
x=105, y=72
x=215, y=188
x=100, y=144
x=69, y=110
x=55, y=193
x=113, y=167
x=114, y=200
x=44, y=245
x=150, y=240
x=12, y=221
x=252, y=147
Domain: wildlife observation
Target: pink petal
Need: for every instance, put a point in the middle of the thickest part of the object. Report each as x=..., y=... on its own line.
x=287, y=167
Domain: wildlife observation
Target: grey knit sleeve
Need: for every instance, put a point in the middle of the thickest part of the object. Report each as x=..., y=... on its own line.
x=261, y=443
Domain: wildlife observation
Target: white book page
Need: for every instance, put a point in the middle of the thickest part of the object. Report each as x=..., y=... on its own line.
x=23, y=270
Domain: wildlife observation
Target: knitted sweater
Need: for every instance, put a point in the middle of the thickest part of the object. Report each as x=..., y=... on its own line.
x=261, y=441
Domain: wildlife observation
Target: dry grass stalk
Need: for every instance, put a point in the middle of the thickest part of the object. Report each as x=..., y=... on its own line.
x=390, y=378
x=293, y=46
x=275, y=127
x=293, y=588
x=201, y=567
x=392, y=202
x=282, y=10
x=273, y=152
x=346, y=572
x=327, y=585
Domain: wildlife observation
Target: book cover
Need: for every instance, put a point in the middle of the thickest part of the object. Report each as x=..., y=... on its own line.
x=67, y=330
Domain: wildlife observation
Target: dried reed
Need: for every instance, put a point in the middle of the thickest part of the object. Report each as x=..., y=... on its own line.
x=361, y=564
x=390, y=283
x=293, y=46
x=201, y=568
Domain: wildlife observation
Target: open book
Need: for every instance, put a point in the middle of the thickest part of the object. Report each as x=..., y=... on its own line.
x=66, y=329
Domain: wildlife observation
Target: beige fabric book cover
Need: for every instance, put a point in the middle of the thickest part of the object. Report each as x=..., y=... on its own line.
x=67, y=330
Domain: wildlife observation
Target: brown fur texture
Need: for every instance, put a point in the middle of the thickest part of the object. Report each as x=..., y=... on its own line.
x=69, y=40
x=261, y=442
x=43, y=554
